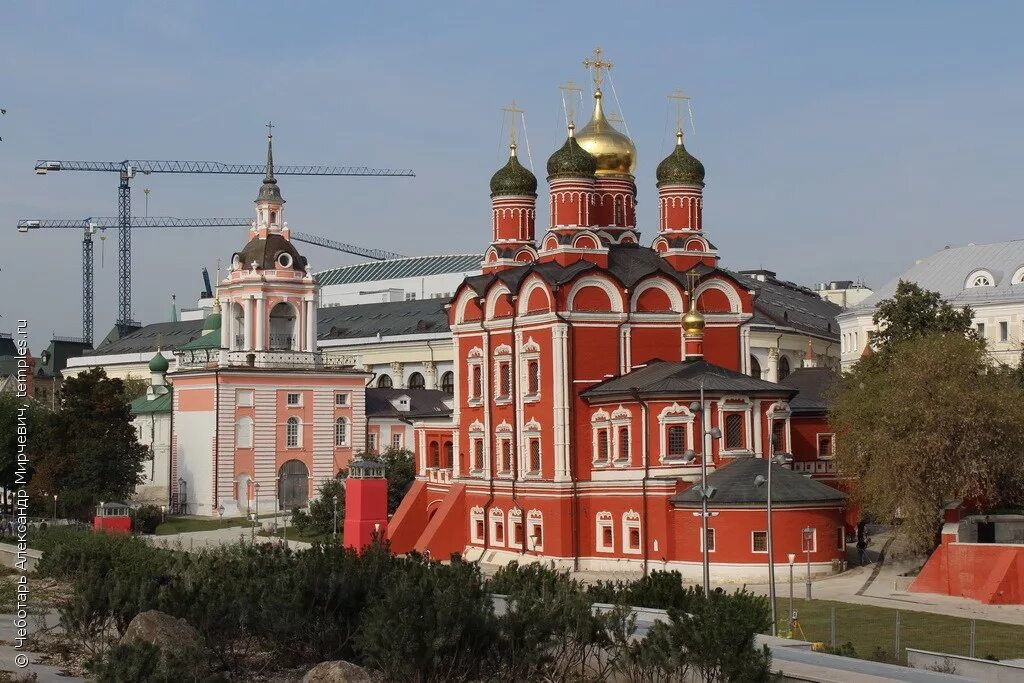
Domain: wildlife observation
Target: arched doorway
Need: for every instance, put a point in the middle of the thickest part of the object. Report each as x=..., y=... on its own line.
x=284, y=330
x=293, y=486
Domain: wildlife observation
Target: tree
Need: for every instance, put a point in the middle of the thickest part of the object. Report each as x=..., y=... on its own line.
x=324, y=509
x=400, y=471
x=36, y=416
x=932, y=424
x=913, y=312
x=88, y=451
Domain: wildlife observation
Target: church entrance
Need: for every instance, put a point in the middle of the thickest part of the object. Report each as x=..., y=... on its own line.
x=293, y=486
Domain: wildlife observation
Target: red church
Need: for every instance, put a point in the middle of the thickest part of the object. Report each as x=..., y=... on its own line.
x=582, y=357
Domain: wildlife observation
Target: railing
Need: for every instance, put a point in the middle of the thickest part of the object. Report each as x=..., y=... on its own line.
x=282, y=342
x=439, y=475
x=239, y=341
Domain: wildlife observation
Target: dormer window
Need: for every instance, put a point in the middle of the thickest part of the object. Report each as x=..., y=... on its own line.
x=980, y=278
x=284, y=260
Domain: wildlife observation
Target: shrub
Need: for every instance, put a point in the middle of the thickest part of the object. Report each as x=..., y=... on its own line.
x=145, y=663
x=146, y=519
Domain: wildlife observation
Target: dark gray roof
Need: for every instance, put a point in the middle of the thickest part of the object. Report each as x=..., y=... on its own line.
x=813, y=385
x=55, y=357
x=7, y=345
x=661, y=378
x=422, y=403
x=784, y=304
x=414, y=266
x=735, y=487
x=169, y=335
x=421, y=316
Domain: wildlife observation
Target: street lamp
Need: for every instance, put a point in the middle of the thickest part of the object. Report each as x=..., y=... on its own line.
x=55, y=508
x=808, y=543
x=163, y=509
x=282, y=481
x=705, y=491
x=252, y=518
x=760, y=480
x=792, y=559
x=257, y=487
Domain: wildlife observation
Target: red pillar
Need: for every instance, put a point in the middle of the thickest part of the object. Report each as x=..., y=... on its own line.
x=366, y=503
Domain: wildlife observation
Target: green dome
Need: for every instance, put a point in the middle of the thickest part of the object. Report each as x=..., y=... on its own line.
x=159, y=363
x=571, y=161
x=513, y=178
x=680, y=167
x=212, y=322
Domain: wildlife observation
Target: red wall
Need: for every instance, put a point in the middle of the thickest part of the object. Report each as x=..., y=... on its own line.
x=991, y=573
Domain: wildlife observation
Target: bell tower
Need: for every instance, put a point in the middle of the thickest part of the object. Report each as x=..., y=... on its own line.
x=513, y=209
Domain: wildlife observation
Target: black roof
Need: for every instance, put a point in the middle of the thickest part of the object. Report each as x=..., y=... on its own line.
x=735, y=487
x=419, y=316
x=55, y=357
x=422, y=403
x=169, y=335
x=660, y=378
x=784, y=304
x=812, y=385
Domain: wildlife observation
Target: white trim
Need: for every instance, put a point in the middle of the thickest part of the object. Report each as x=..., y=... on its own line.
x=631, y=521
x=674, y=297
x=614, y=295
x=603, y=520
x=753, y=546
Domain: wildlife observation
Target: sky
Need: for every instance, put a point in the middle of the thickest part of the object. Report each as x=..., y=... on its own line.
x=841, y=141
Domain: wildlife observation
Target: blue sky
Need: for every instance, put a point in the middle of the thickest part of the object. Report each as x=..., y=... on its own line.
x=841, y=141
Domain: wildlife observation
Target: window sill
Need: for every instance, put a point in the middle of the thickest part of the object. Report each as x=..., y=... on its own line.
x=606, y=550
x=474, y=402
x=621, y=462
x=502, y=400
x=631, y=551
x=531, y=398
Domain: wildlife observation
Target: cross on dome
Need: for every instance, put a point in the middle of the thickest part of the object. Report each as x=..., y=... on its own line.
x=597, y=65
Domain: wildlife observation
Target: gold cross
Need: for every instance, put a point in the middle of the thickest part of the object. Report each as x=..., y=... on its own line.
x=597, y=65
x=570, y=109
x=270, y=129
x=512, y=110
x=692, y=277
x=680, y=98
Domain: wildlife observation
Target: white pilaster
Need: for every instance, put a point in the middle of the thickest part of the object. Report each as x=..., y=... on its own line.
x=261, y=322
x=247, y=322
x=310, y=325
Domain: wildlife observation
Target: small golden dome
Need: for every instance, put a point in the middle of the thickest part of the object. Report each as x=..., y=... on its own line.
x=693, y=323
x=615, y=152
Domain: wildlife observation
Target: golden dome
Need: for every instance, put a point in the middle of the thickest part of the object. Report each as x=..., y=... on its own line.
x=615, y=152
x=693, y=323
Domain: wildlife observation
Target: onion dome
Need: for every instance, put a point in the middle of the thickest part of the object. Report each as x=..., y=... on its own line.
x=614, y=152
x=513, y=178
x=272, y=252
x=269, y=191
x=680, y=167
x=159, y=363
x=571, y=160
x=212, y=322
x=693, y=321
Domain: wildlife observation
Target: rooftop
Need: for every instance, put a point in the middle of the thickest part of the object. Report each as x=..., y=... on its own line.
x=661, y=378
x=780, y=303
x=812, y=385
x=422, y=403
x=735, y=484
x=952, y=271
x=393, y=269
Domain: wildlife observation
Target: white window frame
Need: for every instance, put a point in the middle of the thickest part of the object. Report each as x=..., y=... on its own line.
x=621, y=417
x=288, y=399
x=475, y=361
x=745, y=409
x=371, y=442
x=288, y=442
x=979, y=328
x=345, y=432
x=245, y=398
x=817, y=445
x=714, y=539
x=675, y=415
x=631, y=521
x=248, y=443
x=344, y=399
x=1002, y=325
x=530, y=353
x=498, y=517
x=503, y=437
x=476, y=514
x=535, y=523
x=603, y=520
x=515, y=516
x=502, y=358
x=753, y=544
x=396, y=440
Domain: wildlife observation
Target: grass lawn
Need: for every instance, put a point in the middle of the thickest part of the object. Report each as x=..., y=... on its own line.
x=183, y=524
x=869, y=629
x=307, y=537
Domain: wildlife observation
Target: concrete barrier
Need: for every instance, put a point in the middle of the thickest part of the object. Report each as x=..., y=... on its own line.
x=9, y=556
x=984, y=670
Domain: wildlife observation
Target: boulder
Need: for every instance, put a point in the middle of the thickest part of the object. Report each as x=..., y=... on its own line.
x=337, y=671
x=162, y=630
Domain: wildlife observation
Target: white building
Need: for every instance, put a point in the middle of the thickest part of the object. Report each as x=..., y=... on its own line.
x=844, y=293
x=404, y=279
x=152, y=420
x=987, y=277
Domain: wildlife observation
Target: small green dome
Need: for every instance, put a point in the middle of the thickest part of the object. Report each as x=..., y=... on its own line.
x=513, y=178
x=159, y=363
x=212, y=322
x=680, y=167
x=571, y=161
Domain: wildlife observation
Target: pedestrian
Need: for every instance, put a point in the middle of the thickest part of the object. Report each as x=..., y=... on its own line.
x=862, y=551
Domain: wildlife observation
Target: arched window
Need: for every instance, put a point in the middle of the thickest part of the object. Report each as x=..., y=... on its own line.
x=435, y=455
x=533, y=377
x=755, y=367
x=449, y=454
x=384, y=382
x=292, y=433
x=448, y=382
x=341, y=431
x=243, y=432
x=416, y=381
x=620, y=211
x=783, y=368
x=980, y=278
x=733, y=431
x=284, y=331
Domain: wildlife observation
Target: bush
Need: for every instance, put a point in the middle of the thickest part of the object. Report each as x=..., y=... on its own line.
x=146, y=519
x=145, y=663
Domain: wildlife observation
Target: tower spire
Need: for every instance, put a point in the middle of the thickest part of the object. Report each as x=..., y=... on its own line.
x=269, y=191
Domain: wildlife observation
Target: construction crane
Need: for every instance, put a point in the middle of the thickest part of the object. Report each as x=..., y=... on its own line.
x=128, y=168
x=89, y=227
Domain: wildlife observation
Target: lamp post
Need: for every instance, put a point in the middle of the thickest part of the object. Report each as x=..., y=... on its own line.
x=55, y=508
x=706, y=492
x=808, y=542
x=779, y=458
x=792, y=559
x=282, y=482
x=257, y=487
x=252, y=518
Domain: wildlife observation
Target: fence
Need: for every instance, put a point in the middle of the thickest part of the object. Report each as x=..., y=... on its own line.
x=885, y=634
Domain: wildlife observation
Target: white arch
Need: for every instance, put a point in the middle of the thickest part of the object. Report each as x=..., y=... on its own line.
x=980, y=278
x=735, y=305
x=461, y=302
x=674, y=297
x=614, y=295
x=492, y=299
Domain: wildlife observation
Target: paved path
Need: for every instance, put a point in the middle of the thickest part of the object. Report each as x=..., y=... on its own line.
x=44, y=673
x=196, y=540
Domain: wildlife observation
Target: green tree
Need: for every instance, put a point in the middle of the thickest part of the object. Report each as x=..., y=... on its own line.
x=88, y=451
x=324, y=509
x=913, y=312
x=934, y=423
x=36, y=423
x=399, y=470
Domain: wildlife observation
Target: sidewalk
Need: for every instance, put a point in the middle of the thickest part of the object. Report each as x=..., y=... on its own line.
x=197, y=540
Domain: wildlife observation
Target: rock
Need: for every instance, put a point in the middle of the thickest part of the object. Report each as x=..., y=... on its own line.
x=337, y=671
x=162, y=630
